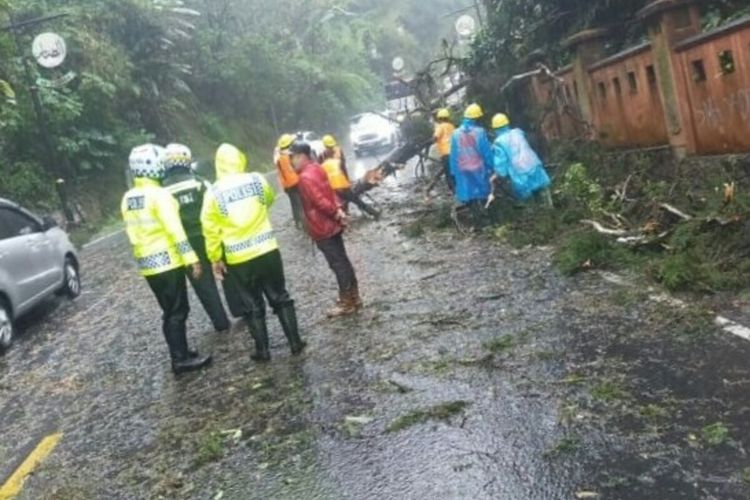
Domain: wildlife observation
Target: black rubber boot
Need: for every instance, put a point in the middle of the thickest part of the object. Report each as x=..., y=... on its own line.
x=191, y=364
x=373, y=212
x=183, y=359
x=259, y=331
x=288, y=320
x=367, y=208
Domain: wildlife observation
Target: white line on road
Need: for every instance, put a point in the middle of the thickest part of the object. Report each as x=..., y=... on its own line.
x=726, y=324
x=733, y=327
x=103, y=238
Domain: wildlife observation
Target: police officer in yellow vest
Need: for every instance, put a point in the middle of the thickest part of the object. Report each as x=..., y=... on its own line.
x=162, y=251
x=334, y=165
x=236, y=226
x=189, y=189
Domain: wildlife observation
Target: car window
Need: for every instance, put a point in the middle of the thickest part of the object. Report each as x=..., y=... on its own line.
x=13, y=223
x=311, y=136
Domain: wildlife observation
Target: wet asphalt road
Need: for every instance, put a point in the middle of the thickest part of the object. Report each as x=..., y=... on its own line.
x=475, y=371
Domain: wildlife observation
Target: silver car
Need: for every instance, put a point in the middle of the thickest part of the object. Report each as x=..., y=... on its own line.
x=373, y=132
x=36, y=260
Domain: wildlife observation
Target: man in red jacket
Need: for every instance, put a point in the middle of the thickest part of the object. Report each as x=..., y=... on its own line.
x=326, y=221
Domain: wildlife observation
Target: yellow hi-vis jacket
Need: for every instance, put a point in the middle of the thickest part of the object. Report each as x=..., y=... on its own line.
x=336, y=176
x=152, y=221
x=235, y=211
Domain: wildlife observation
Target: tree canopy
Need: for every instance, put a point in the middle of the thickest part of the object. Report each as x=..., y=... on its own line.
x=198, y=71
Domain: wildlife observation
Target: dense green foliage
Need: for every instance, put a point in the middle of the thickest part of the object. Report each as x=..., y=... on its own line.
x=196, y=71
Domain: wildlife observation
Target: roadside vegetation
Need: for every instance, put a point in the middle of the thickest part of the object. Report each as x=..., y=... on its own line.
x=678, y=224
x=199, y=71
x=681, y=224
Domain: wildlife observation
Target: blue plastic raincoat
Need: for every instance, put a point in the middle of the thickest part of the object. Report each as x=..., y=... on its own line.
x=515, y=159
x=471, y=162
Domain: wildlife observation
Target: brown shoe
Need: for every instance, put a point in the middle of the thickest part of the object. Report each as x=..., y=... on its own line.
x=357, y=299
x=345, y=306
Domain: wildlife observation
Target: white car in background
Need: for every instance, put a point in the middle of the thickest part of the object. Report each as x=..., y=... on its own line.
x=373, y=133
x=37, y=260
x=314, y=140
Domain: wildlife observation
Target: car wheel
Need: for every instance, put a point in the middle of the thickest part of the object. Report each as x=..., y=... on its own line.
x=6, y=327
x=72, y=284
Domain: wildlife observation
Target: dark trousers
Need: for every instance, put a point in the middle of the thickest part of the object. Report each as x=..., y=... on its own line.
x=446, y=162
x=296, y=201
x=170, y=290
x=481, y=217
x=335, y=253
x=349, y=196
x=206, y=289
x=238, y=300
x=263, y=277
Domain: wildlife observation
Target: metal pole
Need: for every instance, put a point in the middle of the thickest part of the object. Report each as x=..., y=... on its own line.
x=49, y=150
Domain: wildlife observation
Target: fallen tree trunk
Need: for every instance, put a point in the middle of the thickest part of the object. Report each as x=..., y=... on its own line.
x=395, y=161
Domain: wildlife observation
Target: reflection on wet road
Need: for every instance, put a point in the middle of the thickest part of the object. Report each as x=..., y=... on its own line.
x=475, y=371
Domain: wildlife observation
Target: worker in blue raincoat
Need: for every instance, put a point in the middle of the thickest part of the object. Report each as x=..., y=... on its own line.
x=471, y=162
x=515, y=160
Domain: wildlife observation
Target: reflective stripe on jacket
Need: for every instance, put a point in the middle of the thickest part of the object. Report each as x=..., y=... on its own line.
x=189, y=190
x=152, y=221
x=235, y=213
x=336, y=176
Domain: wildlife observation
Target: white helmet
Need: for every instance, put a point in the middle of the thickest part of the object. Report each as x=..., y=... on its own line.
x=178, y=155
x=147, y=161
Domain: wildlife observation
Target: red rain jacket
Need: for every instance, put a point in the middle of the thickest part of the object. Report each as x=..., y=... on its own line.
x=319, y=203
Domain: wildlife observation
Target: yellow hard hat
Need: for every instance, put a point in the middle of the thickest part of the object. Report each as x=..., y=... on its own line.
x=474, y=112
x=500, y=120
x=285, y=141
x=329, y=141
x=444, y=114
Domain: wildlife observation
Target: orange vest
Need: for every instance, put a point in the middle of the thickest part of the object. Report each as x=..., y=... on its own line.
x=336, y=176
x=287, y=176
x=443, y=134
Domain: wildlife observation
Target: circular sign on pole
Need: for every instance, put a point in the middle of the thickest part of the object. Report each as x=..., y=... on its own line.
x=466, y=26
x=49, y=50
x=398, y=64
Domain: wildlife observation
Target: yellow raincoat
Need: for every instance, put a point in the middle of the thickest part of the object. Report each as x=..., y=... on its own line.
x=235, y=211
x=153, y=225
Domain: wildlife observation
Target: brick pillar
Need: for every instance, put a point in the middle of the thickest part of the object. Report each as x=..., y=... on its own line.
x=588, y=47
x=669, y=22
